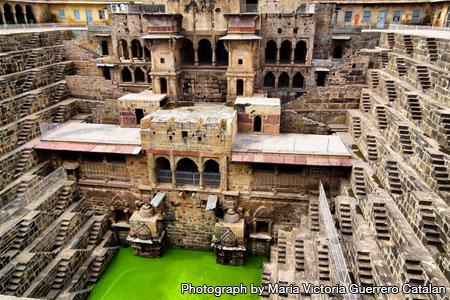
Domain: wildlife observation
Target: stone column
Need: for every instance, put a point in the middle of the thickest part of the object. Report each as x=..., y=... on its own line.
x=2, y=16
x=130, y=54
x=142, y=50
x=292, y=55
x=276, y=80
x=278, y=55
x=120, y=52
x=200, y=169
x=291, y=79
x=195, y=56
x=173, y=168
x=133, y=80
x=214, y=58
x=151, y=170
x=14, y=15
x=224, y=174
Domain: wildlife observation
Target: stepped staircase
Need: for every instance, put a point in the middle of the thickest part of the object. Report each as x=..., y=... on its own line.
x=62, y=233
x=27, y=86
x=428, y=223
x=299, y=248
x=401, y=67
x=25, y=132
x=25, y=108
x=22, y=234
x=395, y=185
x=381, y=116
x=96, y=269
x=323, y=263
x=64, y=200
x=16, y=279
x=314, y=216
x=365, y=102
x=59, y=54
x=440, y=172
x=372, y=147
x=59, y=38
x=265, y=281
x=414, y=107
x=407, y=40
x=432, y=49
x=356, y=126
x=60, y=114
x=380, y=220
x=345, y=219
x=413, y=272
x=359, y=183
x=22, y=164
x=424, y=77
x=31, y=62
x=34, y=41
x=364, y=268
x=384, y=59
x=58, y=282
x=405, y=139
x=59, y=73
x=61, y=92
x=281, y=248
x=95, y=232
x=391, y=40
x=375, y=79
x=90, y=52
x=392, y=93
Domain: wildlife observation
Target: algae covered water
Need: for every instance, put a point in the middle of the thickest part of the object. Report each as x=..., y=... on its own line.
x=130, y=277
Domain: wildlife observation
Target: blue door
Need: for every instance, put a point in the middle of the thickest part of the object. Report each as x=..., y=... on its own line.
x=381, y=19
x=89, y=18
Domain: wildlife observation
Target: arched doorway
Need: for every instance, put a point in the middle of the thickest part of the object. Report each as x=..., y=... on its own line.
x=257, y=124
x=211, y=173
x=163, y=84
x=123, y=49
x=147, y=53
x=105, y=50
x=187, y=172
x=221, y=54
x=285, y=52
x=240, y=87
x=269, y=80
x=204, y=52
x=30, y=15
x=300, y=52
x=187, y=52
x=283, y=80
x=298, y=81
x=136, y=49
x=20, y=17
x=337, y=52
x=9, y=16
x=163, y=171
x=271, y=52
x=126, y=75
x=139, y=75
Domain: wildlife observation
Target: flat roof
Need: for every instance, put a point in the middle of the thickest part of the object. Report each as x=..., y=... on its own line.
x=210, y=113
x=423, y=32
x=144, y=96
x=160, y=36
x=240, y=37
x=290, y=143
x=94, y=133
x=258, y=101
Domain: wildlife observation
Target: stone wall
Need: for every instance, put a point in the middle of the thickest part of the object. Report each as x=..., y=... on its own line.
x=201, y=87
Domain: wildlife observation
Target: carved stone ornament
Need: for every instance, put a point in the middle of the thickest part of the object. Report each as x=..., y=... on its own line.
x=143, y=232
x=228, y=239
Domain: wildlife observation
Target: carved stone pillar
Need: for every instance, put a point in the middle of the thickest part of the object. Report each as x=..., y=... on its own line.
x=278, y=55
x=196, y=56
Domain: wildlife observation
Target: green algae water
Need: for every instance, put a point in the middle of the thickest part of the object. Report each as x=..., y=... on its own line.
x=130, y=277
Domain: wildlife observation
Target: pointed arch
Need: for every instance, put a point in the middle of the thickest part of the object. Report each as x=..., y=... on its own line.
x=271, y=52
x=300, y=52
x=126, y=75
x=298, y=81
x=269, y=80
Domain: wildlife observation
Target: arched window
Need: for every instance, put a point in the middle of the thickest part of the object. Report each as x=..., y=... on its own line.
x=9, y=15
x=221, y=54
x=163, y=83
x=126, y=75
x=139, y=75
x=147, y=53
x=285, y=52
x=240, y=87
x=30, y=15
x=283, y=80
x=187, y=172
x=271, y=52
x=211, y=173
x=163, y=172
x=205, y=52
x=136, y=49
x=300, y=52
x=269, y=80
x=187, y=52
x=337, y=52
x=298, y=81
x=20, y=17
x=257, y=124
x=122, y=49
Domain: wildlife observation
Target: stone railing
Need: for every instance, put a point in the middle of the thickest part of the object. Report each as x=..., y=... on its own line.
x=270, y=181
x=109, y=171
x=211, y=179
x=187, y=178
x=164, y=175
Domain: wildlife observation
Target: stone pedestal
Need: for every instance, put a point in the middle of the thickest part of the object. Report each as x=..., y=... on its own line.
x=146, y=233
x=229, y=243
